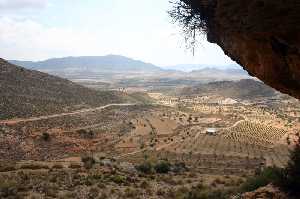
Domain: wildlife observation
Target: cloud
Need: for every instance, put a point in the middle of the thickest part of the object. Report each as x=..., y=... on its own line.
x=22, y=4
x=28, y=39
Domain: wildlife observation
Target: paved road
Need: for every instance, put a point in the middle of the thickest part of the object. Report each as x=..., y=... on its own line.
x=16, y=121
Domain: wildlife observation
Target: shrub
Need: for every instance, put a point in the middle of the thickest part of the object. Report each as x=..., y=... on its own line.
x=86, y=134
x=144, y=185
x=88, y=162
x=179, y=167
x=142, y=146
x=8, y=188
x=162, y=167
x=45, y=136
x=145, y=167
x=290, y=179
x=201, y=193
x=118, y=179
x=267, y=176
x=81, y=131
x=160, y=192
x=93, y=193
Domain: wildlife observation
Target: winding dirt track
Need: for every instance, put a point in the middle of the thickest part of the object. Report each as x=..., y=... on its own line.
x=16, y=121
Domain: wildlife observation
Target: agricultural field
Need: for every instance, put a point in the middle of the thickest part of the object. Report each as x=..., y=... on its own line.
x=205, y=141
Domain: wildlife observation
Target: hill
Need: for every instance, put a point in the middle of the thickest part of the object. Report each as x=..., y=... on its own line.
x=242, y=89
x=109, y=63
x=26, y=93
x=211, y=74
x=195, y=67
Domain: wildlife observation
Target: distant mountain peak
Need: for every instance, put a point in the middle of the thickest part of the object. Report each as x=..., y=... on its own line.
x=113, y=63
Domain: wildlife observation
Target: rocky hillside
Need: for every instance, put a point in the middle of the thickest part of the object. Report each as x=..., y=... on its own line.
x=243, y=89
x=26, y=93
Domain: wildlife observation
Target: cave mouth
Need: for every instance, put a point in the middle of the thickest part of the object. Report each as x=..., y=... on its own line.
x=85, y=145
x=261, y=35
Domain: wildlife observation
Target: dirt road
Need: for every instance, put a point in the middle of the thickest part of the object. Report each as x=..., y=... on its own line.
x=16, y=121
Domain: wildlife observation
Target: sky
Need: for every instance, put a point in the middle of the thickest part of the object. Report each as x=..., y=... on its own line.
x=140, y=29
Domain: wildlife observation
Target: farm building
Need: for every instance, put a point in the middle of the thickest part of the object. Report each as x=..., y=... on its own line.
x=211, y=131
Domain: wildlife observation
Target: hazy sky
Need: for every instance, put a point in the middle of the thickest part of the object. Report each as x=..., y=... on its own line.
x=140, y=29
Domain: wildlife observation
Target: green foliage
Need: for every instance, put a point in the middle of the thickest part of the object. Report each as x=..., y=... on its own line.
x=192, y=16
x=265, y=177
x=162, y=167
x=118, y=179
x=179, y=167
x=290, y=179
x=144, y=185
x=45, y=136
x=146, y=167
x=8, y=188
x=131, y=193
x=86, y=134
x=88, y=162
x=201, y=192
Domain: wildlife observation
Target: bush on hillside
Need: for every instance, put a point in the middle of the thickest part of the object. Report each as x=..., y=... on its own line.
x=290, y=179
x=162, y=167
x=265, y=177
x=88, y=162
x=146, y=167
x=45, y=136
x=202, y=192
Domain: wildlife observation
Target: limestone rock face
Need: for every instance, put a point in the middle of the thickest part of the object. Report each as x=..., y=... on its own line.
x=261, y=35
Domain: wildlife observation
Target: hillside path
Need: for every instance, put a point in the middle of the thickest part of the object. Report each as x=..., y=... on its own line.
x=16, y=121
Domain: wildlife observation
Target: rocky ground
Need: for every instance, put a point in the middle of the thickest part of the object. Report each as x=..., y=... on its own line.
x=105, y=178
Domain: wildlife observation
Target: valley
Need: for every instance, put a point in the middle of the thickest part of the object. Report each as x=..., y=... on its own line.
x=114, y=71
x=158, y=143
x=175, y=99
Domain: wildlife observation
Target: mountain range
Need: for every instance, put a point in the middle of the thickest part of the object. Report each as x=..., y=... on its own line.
x=111, y=63
x=115, y=68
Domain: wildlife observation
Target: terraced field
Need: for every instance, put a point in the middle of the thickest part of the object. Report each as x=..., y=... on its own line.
x=246, y=142
x=254, y=133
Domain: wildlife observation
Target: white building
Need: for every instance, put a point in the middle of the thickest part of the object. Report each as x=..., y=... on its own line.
x=211, y=131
